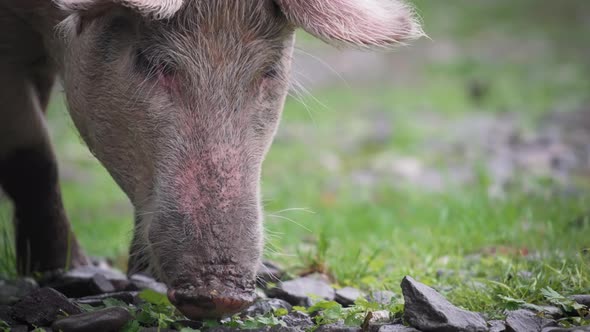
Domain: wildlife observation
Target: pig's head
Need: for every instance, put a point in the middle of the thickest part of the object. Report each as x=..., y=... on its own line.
x=180, y=100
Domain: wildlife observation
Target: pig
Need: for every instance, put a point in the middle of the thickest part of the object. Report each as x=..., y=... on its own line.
x=179, y=100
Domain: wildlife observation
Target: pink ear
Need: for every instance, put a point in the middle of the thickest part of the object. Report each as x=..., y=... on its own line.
x=159, y=9
x=364, y=23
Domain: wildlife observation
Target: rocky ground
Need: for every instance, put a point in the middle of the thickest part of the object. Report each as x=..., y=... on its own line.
x=100, y=298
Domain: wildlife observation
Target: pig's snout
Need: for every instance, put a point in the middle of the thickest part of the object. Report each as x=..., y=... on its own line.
x=204, y=303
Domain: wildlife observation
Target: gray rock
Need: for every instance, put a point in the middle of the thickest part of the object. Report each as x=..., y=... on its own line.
x=347, y=295
x=582, y=299
x=97, y=300
x=140, y=281
x=298, y=320
x=551, y=312
x=338, y=327
x=87, y=281
x=526, y=321
x=570, y=329
x=80, y=277
x=397, y=328
x=380, y=316
x=426, y=309
x=106, y=320
x=497, y=326
x=268, y=273
x=19, y=328
x=277, y=328
x=43, y=306
x=265, y=306
x=382, y=297
x=73, y=287
x=13, y=290
x=304, y=291
x=6, y=314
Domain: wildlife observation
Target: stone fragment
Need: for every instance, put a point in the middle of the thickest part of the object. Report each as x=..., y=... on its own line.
x=265, y=306
x=497, y=326
x=105, y=320
x=347, y=295
x=268, y=273
x=298, y=320
x=569, y=329
x=43, y=306
x=425, y=309
x=97, y=300
x=13, y=290
x=582, y=299
x=382, y=297
x=140, y=281
x=397, y=328
x=526, y=321
x=88, y=281
x=304, y=291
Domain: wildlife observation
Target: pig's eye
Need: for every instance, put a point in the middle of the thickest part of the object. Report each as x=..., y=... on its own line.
x=151, y=66
x=270, y=73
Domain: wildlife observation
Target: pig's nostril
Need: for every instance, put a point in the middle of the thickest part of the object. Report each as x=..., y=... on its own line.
x=198, y=304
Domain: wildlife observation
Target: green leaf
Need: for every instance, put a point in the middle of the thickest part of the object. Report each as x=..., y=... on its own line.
x=280, y=312
x=567, y=304
x=112, y=302
x=132, y=326
x=154, y=297
x=188, y=329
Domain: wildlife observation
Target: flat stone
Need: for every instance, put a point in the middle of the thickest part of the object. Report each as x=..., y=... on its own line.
x=397, y=328
x=569, y=329
x=582, y=299
x=497, y=326
x=43, y=306
x=265, y=306
x=347, y=295
x=425, y=309
x=526, y=321
x=140, y=281
x=107, y=320
x=304, y=291
x=268, y=272
x=97, y=300
x=382, y=297
x=13, y=290
x=298, y=320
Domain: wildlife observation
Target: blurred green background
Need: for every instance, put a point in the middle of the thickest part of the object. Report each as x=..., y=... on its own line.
x=462, y=159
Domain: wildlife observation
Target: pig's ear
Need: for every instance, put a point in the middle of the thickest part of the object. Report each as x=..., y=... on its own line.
x=158, y=9
x=361, y=23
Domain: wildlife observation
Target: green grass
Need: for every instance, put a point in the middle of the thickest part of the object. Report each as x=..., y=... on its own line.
x=370, y=237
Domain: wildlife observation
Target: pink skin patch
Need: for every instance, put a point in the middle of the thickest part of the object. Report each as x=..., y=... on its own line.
x=209, y=182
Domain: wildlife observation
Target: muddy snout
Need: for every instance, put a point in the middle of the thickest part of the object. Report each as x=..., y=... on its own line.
x=197, y=303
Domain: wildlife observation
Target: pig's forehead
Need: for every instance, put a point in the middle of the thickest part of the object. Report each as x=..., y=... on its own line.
x=258, y=16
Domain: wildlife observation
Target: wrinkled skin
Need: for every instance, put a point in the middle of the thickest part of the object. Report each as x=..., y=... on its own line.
x=180, y=102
